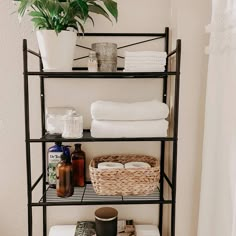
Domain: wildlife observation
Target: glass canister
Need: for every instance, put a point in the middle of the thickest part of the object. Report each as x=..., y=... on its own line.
x=106, y=55
x=73, y=126
x=54, y=118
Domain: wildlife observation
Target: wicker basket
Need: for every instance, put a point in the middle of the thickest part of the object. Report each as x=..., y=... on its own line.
x=123, y=182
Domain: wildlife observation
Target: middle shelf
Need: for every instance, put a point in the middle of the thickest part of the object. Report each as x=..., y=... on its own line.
x=87, y=196
x=88, y=138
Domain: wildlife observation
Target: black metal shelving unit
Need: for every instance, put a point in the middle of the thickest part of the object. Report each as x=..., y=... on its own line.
x=86, y=195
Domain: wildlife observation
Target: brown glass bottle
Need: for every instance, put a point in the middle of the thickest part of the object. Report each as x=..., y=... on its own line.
x=78, y=163
x=64, y=174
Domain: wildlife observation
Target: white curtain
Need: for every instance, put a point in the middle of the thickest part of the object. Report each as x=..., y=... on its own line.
x=217, y=216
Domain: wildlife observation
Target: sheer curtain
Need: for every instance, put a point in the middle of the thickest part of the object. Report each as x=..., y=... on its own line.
x=217, y=215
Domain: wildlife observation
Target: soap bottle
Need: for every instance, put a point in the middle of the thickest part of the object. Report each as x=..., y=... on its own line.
x=54, y=157
x=78, y=163
x=64, y=175
x=92, y=62
x=129, y=228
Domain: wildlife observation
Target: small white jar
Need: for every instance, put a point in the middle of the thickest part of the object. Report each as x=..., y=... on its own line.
x=92, y=62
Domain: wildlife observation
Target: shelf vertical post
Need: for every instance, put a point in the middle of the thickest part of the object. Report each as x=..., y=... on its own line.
x=27, y=135
x=162, y=163
x=176, y=119
x=43, y=130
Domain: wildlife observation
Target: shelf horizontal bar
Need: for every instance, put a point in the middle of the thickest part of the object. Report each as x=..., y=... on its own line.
x=88, y=138
x=125, y=34
x=103, y=75
x=87, y=196
x=34, y=204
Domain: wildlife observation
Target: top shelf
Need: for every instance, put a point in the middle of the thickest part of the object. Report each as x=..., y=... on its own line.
x=82, y=72
x=105, y=75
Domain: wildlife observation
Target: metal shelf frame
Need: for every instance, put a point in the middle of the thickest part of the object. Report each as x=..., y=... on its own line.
x=86, y=196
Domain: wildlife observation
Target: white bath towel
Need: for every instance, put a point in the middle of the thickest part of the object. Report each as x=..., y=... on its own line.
x=128, y=129
x=148, y=110
x=148, y=59
x=142, y=63
x=62, y=230
x=145, y=54
x=145, y=68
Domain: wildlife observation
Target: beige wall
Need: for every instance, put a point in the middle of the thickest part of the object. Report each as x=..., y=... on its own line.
x=135, y=16
x=189, y=19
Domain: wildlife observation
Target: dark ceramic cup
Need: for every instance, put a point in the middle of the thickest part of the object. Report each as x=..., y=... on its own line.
x=106, y=221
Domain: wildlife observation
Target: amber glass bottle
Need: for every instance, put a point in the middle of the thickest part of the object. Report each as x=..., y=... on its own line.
x=78, y=163
x=64, y=174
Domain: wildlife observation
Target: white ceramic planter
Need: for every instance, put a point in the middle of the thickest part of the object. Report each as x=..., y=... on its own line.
x=57, y=50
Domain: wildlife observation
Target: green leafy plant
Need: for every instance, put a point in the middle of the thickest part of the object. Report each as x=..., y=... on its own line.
x=61, y=15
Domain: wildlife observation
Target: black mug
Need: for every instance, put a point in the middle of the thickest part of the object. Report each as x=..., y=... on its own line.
x=106, y=221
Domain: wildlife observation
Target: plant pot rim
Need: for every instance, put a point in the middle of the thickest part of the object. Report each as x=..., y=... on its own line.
x=40, y=30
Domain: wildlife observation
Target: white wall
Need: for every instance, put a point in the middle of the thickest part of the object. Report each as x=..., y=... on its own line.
x=188, y=20
x=135, y=16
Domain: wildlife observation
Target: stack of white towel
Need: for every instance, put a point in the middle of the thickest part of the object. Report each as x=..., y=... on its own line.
x=124, y=120
x=145, y=61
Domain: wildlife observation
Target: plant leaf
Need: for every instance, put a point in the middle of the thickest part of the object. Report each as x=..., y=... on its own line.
x=36, y=14
x=95, y=8
x=91, y=19
x=80, y=7
x=111, y=7
x=24, y=5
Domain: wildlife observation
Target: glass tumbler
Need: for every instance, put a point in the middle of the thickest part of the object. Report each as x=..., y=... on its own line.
x=73, y=126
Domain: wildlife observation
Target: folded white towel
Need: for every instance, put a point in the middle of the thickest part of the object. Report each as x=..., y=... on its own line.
x=146, y=58
x=141, y=63
x=62, y=230
x=128, y=129
x=145, y=53
x=136, y=69
x=148, y=110
x=145, y=67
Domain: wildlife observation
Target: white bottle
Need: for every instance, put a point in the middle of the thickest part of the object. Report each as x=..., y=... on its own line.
x=92, y=62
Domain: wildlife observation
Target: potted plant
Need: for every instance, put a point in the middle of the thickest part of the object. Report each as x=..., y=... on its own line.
x=57, y=23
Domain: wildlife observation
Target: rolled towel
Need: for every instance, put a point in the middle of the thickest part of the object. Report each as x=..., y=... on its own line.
x=137, y=164
x=62, y=230
x=128, y=129
x=110, y=165
x=149, y=110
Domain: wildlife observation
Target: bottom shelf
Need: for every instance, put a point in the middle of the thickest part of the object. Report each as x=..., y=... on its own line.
x=87, y=196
